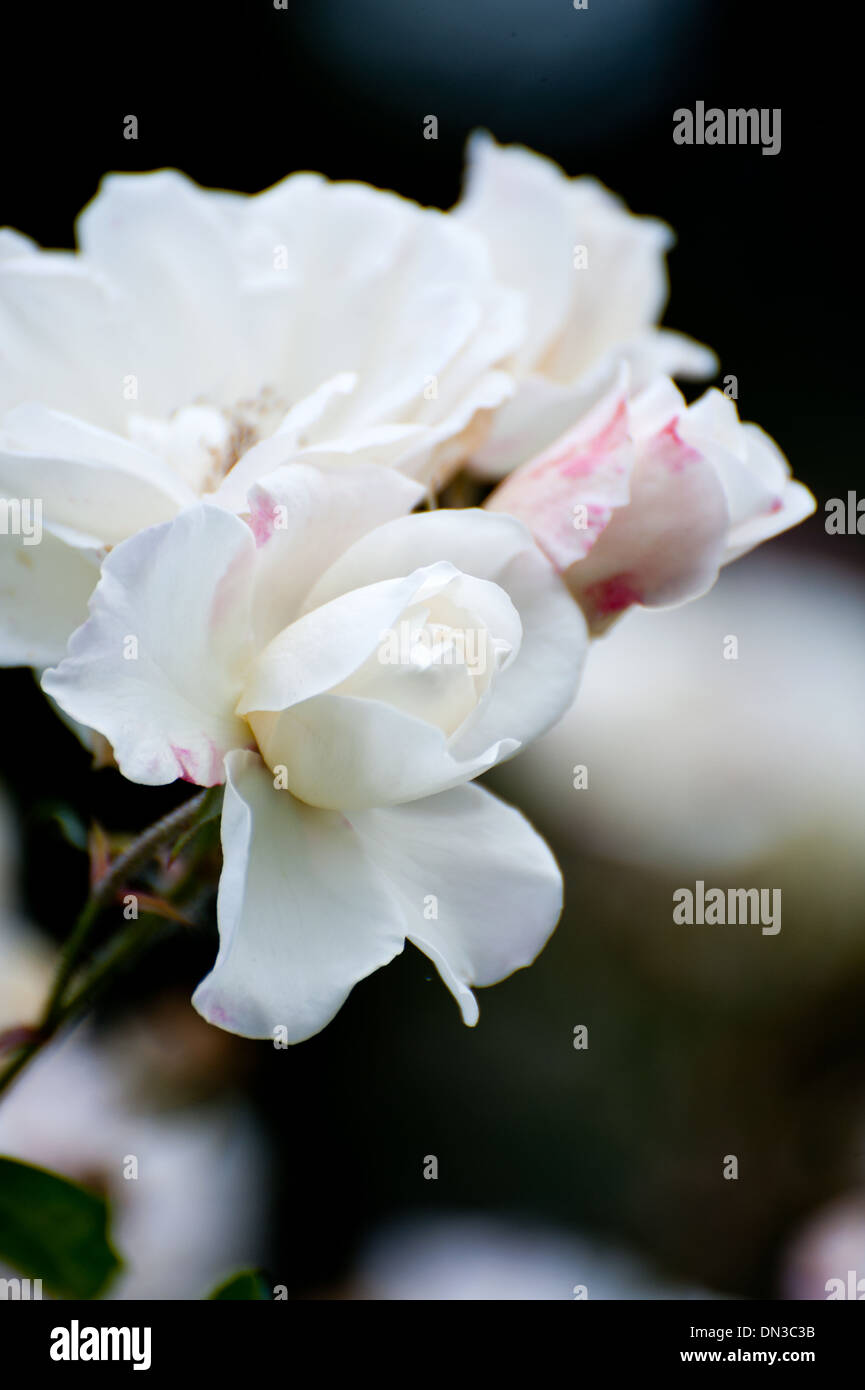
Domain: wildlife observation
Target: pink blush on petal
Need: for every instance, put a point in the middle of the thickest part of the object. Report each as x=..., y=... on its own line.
x=586, y=460
x=184, y=759
x=262, y=521
x=675, y=453
x=185, y=762
x=613, y=595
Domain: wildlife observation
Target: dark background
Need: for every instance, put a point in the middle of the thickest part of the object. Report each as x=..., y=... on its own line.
x=238, y=96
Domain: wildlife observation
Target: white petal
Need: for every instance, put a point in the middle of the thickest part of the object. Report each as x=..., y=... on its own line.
x=13, y=245
x=535, y=219
x=762, y=498
x=623, y=287
x=44, y=591
x=402, y=297
x=89, y=480
x=378, y=446
x=792, y=504
x=311, y=901
x=303, y=517
x=303, y=913
x=540, y=685
x=343, y=750
x=516, y=200
x=480, y=890
x=61, y=340
x=663, y=352
x=328, y=644
x=345, y=753
x=164, y=245
x=182, y=591
x=594, y=282
x=445, y=444
x=473, y=541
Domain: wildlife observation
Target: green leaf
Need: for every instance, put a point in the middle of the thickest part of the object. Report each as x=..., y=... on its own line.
x=52, y=1229
x=249, y=1283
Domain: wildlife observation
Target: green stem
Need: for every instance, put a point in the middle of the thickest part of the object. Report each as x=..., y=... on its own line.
x=124, y=948
x=133, y=940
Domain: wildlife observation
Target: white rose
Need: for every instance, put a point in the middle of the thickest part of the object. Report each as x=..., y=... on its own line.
x=262, y=656
x=198, y=340
x=593, y=281
x=646, y=498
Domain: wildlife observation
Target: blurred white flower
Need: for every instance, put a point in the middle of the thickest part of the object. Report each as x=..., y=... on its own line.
x=199, y=339
x=695, y=760
x=644, y=499
x=483, y=1257
x=348, y=825
x=826, y=1257
x=594, y=284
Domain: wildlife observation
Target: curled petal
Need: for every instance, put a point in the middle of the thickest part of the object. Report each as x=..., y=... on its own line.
x=158, y=666
x=500, y=549
x=342, y=752
x=303, y=518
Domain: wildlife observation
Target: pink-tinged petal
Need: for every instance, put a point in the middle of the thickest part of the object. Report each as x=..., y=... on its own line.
x=790, y=505
x=666, y=546
x=761, y=495
x=159, y=664
x=538, y=413
x=567, y=496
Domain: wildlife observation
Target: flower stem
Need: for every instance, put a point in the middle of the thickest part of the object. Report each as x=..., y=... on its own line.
x=129, y=942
